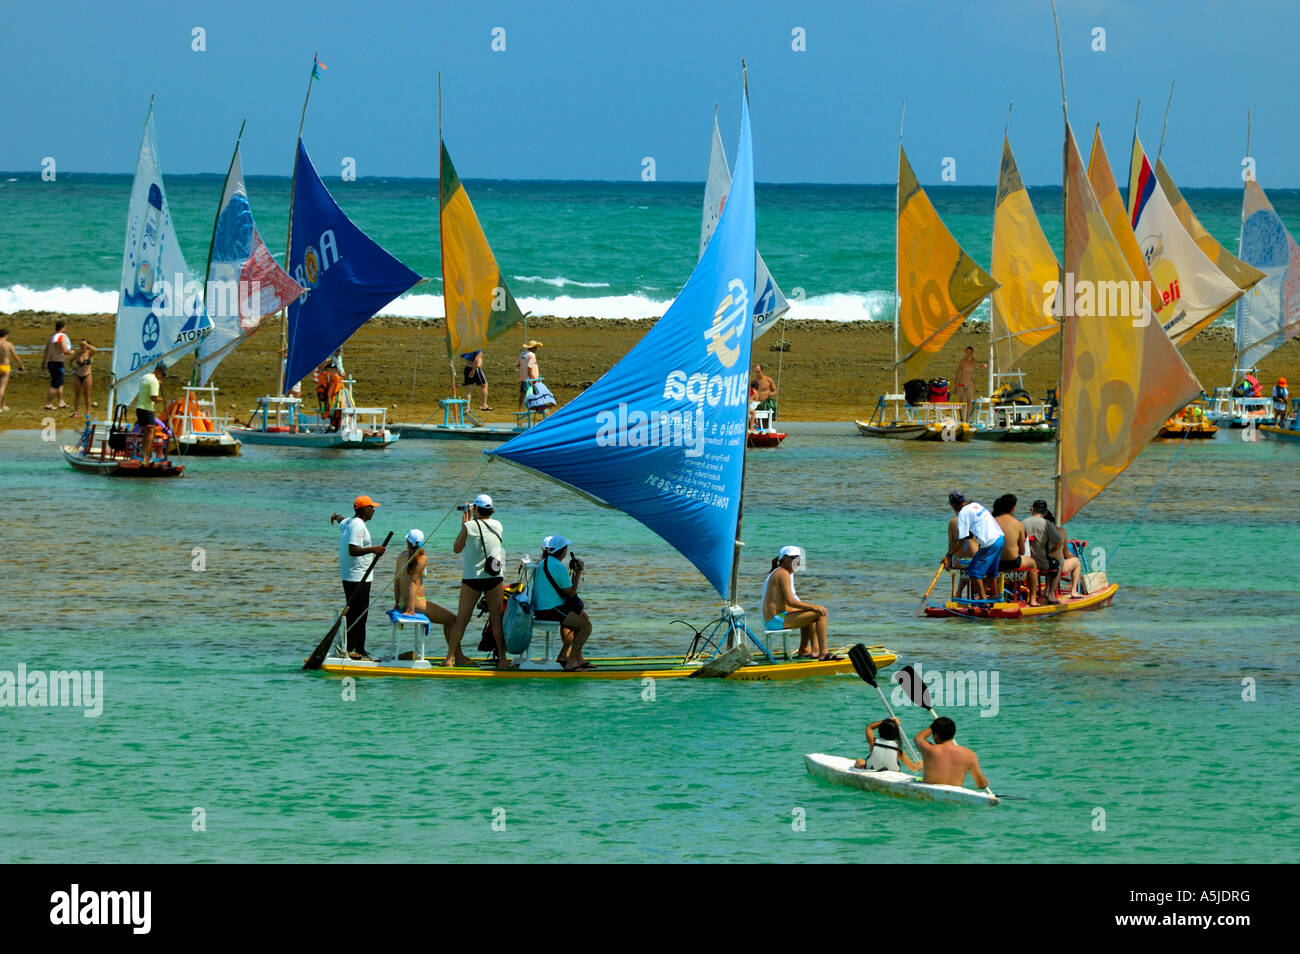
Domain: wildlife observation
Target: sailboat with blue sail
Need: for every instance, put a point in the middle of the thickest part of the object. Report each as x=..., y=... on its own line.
x=348, y=278
x=160, y=319
x=661, y=437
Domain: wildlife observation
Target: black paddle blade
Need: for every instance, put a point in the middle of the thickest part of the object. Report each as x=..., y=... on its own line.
x=916, y=690
x=318, y=656
x=860, y=656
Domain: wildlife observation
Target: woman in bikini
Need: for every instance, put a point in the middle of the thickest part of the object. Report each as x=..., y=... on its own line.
x=782, y=608
x=82, y=382
x=8, y=358
x=479, y=541
x=408, y=587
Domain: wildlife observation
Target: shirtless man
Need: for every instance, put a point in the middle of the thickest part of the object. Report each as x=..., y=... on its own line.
x=408, y=588
x=946, y=762
x=965, y=379
x=8, y=358
x=1015, y=547
x=782, y=608
x=762, y=393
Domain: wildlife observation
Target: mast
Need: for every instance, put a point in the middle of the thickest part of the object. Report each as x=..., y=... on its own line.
x=898, y=297
x=198, y=361
x=288, y=240
x=1236, y=330
x=442, y=254
x=1065, y=199
x=733, y=585
x=1006, y=125
x=112, y=380
x=1165, y=124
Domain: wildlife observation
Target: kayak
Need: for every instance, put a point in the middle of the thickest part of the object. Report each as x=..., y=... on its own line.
x=607, y=667
x=840, y=770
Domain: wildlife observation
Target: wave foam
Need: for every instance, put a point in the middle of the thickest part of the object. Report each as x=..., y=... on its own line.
x=560, y=282
x=83, y=300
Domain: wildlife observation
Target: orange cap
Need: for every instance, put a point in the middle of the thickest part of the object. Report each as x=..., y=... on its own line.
x=1282, y=381
x=363, y=501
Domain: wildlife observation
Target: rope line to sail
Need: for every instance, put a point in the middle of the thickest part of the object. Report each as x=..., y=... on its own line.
x=447, y=513
x=1142, y=513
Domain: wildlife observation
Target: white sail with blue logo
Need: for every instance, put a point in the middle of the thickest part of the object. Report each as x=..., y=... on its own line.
x=160, y=314
x=661, y=436
x=770, y=304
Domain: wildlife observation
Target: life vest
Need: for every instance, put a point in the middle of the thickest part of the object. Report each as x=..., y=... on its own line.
x=177, y=410
x=883, y=756
x=328, y=385
x=938, y=390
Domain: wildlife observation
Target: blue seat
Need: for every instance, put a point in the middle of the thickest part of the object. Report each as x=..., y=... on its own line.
x=400, y=618
x=421, y=624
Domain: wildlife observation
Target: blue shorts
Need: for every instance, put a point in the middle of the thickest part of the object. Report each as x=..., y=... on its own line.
x=776, y=623
x=984, y=564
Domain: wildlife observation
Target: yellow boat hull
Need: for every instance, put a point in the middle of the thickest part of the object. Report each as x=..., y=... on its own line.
x=1011, y=610
x=618, y=667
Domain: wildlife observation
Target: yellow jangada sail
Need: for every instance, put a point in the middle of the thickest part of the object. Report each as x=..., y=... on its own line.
x=1243, y=276
x=479, y=306
x=938, y=283
x=1106, y=191
x=1121, y=375
x=1187, y=280
x=1023, y=265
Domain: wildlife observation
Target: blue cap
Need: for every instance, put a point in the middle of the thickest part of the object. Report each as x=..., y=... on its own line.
x=956, y=497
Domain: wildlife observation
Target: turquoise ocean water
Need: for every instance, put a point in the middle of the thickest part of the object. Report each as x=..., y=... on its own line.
x=603, y=249
x=1136, y=711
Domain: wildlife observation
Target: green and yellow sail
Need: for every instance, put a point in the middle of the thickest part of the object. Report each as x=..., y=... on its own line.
x=478, y=303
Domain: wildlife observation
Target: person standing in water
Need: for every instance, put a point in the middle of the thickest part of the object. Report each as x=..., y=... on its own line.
x=408, y=585
x=782, y=608
x=8, y=358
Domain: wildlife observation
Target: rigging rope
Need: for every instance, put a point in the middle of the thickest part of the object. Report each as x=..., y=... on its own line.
x=1159, y=484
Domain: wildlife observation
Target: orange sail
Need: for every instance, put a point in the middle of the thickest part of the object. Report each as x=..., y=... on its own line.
x=938, y=283
x=1121, y=375
x=1023, y=265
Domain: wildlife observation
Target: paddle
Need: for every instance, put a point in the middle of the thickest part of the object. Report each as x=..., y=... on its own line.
x=865, y=666
x=723, y=665
x=318, y=656
x=920, y=609
x=919, y=693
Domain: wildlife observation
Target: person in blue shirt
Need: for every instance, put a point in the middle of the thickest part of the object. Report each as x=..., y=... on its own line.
x=555, y=599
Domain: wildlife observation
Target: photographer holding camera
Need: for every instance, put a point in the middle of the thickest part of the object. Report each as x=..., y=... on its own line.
x=483, y=564
x=555, y=599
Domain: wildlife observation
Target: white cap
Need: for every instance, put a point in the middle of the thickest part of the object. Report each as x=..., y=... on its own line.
x=483, y=502
x=800, y=559
x=415, y=538
x=555, y=543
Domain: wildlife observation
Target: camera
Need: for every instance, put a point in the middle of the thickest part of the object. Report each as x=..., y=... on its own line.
x=464, y=508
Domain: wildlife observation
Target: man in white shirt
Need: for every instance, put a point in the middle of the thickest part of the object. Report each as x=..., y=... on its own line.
x=980, y=536
x=57, y=350
x=355, y=555
x=528, y=371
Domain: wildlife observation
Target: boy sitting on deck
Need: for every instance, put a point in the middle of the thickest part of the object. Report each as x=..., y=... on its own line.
x=884, y=755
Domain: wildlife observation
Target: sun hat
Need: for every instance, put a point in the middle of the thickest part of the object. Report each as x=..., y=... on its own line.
x=555, y=543
x=415, y=538
x=364, y=501
x=532, y=343
x=483, y=502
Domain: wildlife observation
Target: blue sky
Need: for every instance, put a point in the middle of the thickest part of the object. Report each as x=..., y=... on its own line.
x=585, y=90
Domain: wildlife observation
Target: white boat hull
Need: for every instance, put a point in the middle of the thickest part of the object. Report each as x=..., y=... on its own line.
x=840, y=770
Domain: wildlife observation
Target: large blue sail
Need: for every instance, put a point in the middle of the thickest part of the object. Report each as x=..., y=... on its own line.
x=661, y=436
x=347, y=275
